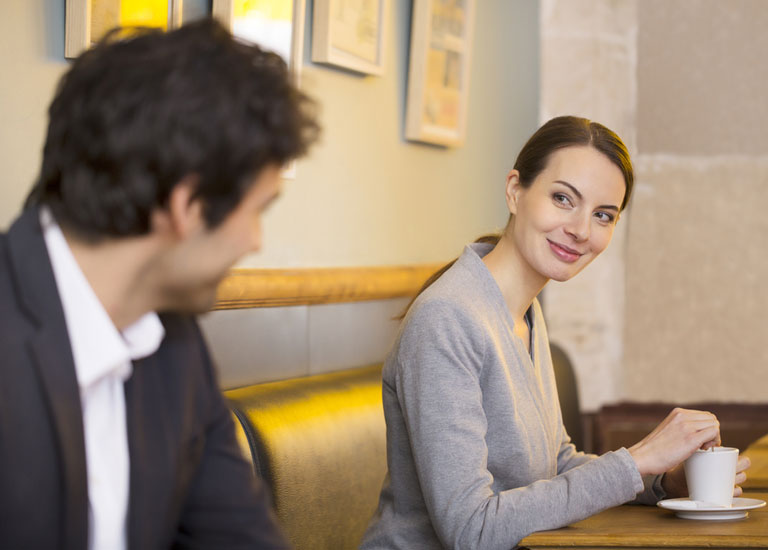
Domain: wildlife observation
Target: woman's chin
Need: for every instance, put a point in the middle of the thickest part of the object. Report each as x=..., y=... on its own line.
x=562, y=275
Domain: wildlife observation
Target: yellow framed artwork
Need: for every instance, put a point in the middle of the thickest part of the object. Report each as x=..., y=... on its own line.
x=276, y=25
x=88, y=20
x=438, y=74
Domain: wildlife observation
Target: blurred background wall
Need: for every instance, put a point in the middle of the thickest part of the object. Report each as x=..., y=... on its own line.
x=588, y=52
x=697, y=265
x=364, y=197
x=675, y=310
x=672, y=311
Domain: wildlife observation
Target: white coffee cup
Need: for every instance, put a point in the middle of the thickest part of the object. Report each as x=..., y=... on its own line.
x=711, y=475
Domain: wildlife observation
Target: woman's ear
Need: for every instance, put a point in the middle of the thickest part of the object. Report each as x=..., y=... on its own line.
x=513, y=189
x=183, y=214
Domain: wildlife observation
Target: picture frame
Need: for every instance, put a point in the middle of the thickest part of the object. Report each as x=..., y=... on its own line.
x=279, y=25
x=439, y=70
x=276, y=30
x=350, y=34
x=88, y=20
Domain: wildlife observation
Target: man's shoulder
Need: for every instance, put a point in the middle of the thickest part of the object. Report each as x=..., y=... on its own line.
x=23, y=256
x=183, y=350
x=9, y=287
x=4, y=255
x=4, y=267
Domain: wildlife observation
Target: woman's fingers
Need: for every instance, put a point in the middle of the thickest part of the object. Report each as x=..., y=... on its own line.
x=741, y=474
x=743, y=463
x=674, y=482
x=705, y=436
x=691, y=414
x=700, y=426
x=681, y=433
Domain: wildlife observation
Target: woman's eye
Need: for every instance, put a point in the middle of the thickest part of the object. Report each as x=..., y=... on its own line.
x=604, y=217
x=561, y=198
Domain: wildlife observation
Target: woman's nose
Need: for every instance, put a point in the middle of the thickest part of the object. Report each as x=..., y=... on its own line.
x=578, y=227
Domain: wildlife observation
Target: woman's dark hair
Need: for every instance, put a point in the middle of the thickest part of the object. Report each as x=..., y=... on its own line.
x=143, y=109
x=570, y=131
x=556, y=134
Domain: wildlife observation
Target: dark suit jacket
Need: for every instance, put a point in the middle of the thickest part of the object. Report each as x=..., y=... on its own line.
x=189, y=485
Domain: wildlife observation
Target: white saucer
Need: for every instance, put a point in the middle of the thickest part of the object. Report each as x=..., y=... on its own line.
x=692, y=509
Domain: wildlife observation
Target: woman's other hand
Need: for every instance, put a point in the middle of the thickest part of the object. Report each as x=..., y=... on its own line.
x=675, y=486
x=741, y=474
x=678, y=436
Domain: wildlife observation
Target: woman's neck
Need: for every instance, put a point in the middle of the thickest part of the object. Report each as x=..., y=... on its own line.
x=518, y=281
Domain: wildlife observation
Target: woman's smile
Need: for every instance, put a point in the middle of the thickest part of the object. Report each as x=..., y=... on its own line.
x=564, y=253
x=565, y=218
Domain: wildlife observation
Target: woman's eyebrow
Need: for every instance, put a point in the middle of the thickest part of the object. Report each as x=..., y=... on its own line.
x=572, y=188
x=579, y=195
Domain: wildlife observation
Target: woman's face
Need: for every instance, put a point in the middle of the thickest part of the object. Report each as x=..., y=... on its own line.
x=567, y=216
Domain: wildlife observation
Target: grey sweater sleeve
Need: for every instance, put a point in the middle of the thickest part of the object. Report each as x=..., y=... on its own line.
x=439, y=392
x=569, y=457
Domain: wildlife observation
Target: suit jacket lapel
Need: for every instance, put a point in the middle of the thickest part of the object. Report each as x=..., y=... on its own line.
x=52, y=358
x=151, y=437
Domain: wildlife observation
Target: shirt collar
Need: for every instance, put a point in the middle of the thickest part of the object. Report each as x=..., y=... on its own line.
x=98, y=348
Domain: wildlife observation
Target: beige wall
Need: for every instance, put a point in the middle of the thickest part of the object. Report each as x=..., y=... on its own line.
x=673, y=311
x=696, y=263
x=31, y=62
x=588, y=51
x=364, y=196
x=367, y=197
x=702, y=77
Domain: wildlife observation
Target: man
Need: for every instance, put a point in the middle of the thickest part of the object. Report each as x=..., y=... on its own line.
x=162, y=152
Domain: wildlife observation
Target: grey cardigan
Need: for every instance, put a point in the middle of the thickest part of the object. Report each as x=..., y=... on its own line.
x=478, y=456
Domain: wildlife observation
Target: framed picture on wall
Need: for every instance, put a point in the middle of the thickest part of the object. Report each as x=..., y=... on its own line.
x=350, y=34
x=438, y=74
x=276, y=25
x=87, y=21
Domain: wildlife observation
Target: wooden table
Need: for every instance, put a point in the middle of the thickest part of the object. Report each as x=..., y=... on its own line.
x=650, y=527
x=757, y=475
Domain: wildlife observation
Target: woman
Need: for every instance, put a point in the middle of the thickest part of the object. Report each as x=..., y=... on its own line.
x=477, y=453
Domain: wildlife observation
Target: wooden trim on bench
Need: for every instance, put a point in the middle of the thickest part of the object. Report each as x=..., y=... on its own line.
x=247, y=288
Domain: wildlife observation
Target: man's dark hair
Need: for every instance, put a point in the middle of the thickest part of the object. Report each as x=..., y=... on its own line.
x=143, y=109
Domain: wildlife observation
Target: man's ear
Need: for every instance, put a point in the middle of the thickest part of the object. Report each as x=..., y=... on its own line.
x=513, y=189
x=183, y=214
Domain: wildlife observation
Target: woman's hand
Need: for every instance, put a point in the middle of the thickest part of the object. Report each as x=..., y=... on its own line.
x=678, y=436
x=675, y=486
x=674, y=483
x=741, y=474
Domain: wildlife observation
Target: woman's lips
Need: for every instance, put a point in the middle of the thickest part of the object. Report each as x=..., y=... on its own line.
x=564, y=253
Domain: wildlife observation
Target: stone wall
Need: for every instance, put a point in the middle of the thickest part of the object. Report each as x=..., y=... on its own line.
x=673, y=310
x=696, y=248
x=589, y=50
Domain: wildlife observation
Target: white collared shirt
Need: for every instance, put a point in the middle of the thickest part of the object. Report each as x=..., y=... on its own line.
x=102, y=357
